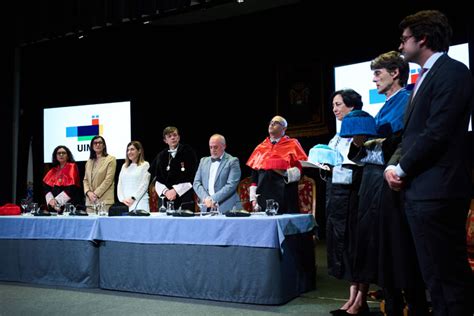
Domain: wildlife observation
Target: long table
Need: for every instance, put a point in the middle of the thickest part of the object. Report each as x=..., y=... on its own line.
x=49, y=250
x=260, y=259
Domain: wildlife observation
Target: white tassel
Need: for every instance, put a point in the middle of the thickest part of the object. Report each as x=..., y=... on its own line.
x=294, y=174
x=253, y=193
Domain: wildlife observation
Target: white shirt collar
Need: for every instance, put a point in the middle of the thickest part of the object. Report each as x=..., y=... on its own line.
x=394, y=94
x=173, y=151
x=218, y=158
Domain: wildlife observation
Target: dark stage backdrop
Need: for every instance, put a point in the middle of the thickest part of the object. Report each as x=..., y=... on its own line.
x=217, y=77
x=213, y=77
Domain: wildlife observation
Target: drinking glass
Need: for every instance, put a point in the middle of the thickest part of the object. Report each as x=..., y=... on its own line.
x=24, y=207
x=202, y=208
x=170, y=208
x=58, y=207
x=67, y=209
x=215, y=209
x=102, y=211
x=34, y=208
x=72, y=209
x=272, y=207
x=96, y=207
x=162, y=208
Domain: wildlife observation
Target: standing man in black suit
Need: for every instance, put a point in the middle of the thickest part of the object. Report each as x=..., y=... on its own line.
x=432, y=161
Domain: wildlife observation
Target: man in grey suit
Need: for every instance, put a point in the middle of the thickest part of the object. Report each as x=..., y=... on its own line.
x=432, y=163
x=217, y=177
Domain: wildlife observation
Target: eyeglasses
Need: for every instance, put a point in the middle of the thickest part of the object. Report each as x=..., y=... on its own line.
x=98, y=143
x=404, y=39
x=275, y=123
x=61, y=153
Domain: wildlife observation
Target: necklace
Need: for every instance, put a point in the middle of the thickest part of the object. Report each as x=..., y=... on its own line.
x=59, y=174
x=170, y=157
x=171, y=154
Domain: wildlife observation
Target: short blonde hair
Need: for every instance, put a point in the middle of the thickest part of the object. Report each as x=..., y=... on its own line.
x=170, y=129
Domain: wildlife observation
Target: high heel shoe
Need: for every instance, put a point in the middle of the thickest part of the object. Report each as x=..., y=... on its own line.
x=338, y=312
x=364, y=310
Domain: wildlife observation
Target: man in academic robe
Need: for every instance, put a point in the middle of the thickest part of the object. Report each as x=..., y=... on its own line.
x=276, y=169
x=174, y=169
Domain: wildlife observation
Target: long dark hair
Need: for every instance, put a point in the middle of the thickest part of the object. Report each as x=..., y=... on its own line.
x=54, y=159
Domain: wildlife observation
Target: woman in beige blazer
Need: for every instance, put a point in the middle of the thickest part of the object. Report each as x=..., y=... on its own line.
x=99, y=184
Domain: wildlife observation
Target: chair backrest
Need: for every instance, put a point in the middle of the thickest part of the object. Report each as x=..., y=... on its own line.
x=243, y=192
x=153, y=200
x=306, y=194
x=470, y=237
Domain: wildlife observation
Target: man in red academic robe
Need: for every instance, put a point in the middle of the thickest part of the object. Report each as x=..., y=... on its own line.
x=276, y=169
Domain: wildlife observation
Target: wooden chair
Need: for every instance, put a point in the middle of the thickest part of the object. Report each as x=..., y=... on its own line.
x=307, y=195
x=153, y=198
x=470, y=235
x=243, y=192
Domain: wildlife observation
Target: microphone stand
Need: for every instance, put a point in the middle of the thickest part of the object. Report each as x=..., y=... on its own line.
x=134, y=212
x=184, y=213
x=184, y=203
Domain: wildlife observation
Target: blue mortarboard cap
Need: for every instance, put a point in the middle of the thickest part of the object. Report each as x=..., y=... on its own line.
x=358, y=122
x=325, y=155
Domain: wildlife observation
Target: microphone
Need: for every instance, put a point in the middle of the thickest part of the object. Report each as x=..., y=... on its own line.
x=184, y=203
x=136, y=212
x=184, y=213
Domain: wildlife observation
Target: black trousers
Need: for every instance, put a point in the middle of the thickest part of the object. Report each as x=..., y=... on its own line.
x=439, y=233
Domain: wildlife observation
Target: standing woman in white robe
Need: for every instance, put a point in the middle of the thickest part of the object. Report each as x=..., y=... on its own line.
x=134, y=179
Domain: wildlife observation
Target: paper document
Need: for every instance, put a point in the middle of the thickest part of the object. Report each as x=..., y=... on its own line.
x=307, y=164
